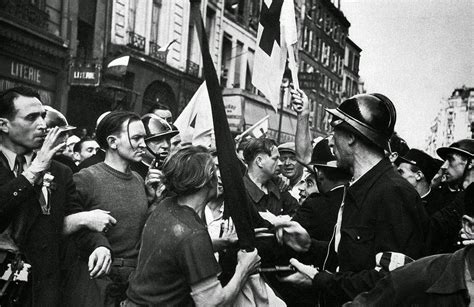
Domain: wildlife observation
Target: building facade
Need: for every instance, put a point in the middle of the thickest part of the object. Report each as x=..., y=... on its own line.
x=351, y=84
x=454, y=121
x=75, y=42
x=160, y=43
x=323, y=36
x=38, y=28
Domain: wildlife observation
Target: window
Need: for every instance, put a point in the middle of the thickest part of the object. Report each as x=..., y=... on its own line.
x=254, y=12
x=314, y=48
x=155, y=21
x=310, y=41
x=249, y=72
x=305, y=38
x=327, y=24
x=210, y=26
x=226, y=58
x=236, y=9
x=319, y=16
x=132, y=11
x=238, y=63
x=356, y=64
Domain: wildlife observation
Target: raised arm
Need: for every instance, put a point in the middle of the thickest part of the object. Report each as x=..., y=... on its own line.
x=300, y=104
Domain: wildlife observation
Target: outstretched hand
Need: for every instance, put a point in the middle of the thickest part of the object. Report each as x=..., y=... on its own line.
x=291, y=233
x=305, y=275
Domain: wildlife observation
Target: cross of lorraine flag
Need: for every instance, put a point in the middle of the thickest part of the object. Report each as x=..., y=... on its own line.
x=276, y=31
x=195, y=123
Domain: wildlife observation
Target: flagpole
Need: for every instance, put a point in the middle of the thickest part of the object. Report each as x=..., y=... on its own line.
x=235, y=196
x=293, y=66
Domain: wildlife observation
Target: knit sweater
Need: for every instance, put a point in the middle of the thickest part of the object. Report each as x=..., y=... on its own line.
x=123, y=194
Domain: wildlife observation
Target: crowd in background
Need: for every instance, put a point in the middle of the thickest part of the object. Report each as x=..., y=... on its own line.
x=134, y=216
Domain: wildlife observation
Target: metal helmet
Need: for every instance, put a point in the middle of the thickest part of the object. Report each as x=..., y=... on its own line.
x=54, y=118
x=463, y=147
x=372, y=115
x=157, y=128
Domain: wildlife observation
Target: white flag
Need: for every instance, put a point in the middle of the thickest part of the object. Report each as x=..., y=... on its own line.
x=276, y=30
x=195, y=123
x=258, y=129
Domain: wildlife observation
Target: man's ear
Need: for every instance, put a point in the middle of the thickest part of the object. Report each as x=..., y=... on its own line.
x=112, y=141
x=419, y=176
x=258, y=160
x=76, y=156
x=351, y=138
x=4, y=124
x=468, y=226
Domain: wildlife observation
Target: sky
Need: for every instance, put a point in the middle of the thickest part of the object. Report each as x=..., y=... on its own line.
x=416, y=52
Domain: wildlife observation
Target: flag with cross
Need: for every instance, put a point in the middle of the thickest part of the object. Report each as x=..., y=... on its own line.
x=275, y=38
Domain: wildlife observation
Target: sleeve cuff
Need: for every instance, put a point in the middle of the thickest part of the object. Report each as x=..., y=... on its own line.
x=322, y=280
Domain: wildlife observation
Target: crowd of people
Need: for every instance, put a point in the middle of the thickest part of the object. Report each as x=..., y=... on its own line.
x=133, y=216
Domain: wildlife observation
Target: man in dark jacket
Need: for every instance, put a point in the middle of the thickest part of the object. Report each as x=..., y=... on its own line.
x=36, y=193
x=439, y=280
x=444, y=224
x=263, y=158
x=380, y=211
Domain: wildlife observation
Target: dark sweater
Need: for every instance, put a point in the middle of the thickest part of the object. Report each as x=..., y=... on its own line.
x=123, y=194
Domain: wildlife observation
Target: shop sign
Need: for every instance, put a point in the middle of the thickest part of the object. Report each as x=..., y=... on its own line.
x=84, y=74
x=26, y=73
x=308, y=80
x=233, y=110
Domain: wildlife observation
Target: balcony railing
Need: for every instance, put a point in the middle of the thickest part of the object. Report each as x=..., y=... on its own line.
x=192, y=68
x=136, y=41
x=159, y=55
x=26, y=12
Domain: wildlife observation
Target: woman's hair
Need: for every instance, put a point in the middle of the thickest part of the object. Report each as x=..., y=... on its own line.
x=188, y=170
x=112, y=124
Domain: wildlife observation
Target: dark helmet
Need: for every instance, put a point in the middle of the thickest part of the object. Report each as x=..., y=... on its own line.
x=157, y=128
x=322, y=155
x=463, y=147
x=372, y=115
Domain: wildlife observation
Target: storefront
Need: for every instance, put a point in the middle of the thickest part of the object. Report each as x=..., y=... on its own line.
x=32, y=58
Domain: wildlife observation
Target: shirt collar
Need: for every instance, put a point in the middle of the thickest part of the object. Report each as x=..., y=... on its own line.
x=210, y=217
x=254, y=191
x=359, y=188
x=337, y=187
x=426, y=194
x=11, y=156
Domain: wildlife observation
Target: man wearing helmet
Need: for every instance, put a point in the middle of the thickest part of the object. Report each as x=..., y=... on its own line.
x=444, y=279
x=380, y=211
x=158, y=143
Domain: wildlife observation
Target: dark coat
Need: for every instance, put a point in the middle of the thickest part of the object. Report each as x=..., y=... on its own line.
x=437, y=280
x=318, y=215
x=382, y=212
x=39, y=236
